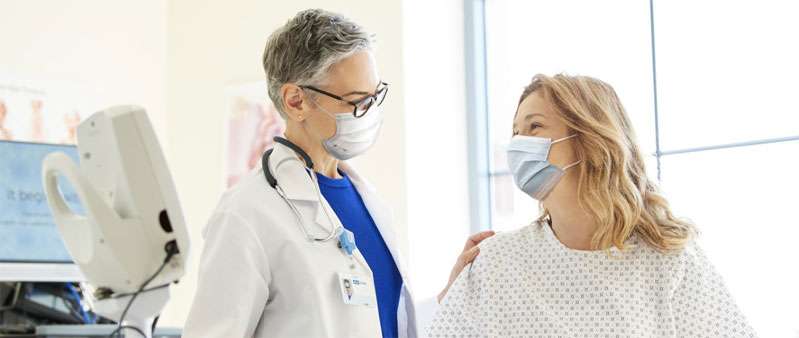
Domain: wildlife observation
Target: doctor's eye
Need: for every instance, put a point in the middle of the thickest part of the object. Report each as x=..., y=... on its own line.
x=534, y=126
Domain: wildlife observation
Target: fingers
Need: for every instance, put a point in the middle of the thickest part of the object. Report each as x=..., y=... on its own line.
x=471, y=255
x=477, y=238
x=480, y=236
x=467, y=257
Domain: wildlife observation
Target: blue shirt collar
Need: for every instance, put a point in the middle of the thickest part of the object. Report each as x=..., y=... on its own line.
x=343, y=182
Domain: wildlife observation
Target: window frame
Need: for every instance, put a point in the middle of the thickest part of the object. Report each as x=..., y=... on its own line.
x=480, y=174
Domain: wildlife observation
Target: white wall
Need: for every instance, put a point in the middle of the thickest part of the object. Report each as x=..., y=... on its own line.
x=118, y=48
x=177, y=57
x=436, y=162
x=215, y=43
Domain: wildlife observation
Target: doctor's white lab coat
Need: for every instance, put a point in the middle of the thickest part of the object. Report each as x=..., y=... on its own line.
x=261, y=277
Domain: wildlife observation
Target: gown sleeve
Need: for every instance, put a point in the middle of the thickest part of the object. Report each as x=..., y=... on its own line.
x=702, y=305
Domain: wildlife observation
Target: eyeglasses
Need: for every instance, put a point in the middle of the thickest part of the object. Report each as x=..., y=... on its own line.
x=361, y=106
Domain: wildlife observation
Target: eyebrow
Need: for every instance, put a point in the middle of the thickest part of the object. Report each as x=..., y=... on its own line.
x=358, y=92
x=530, y=117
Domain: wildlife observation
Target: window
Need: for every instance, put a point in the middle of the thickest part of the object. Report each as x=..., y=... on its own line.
x=523, y=38
x=709, y=87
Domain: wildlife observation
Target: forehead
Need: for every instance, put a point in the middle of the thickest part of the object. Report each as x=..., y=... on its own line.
x=533, y=105
x=357, y=72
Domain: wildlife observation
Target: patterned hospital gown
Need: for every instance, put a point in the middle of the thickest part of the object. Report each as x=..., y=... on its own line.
x=526, y=283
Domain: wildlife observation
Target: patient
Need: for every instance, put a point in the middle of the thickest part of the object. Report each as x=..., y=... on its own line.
x=607, y=257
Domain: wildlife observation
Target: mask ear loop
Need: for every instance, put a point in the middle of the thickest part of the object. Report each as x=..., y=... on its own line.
x=571, y=165
x=564, y=138
x=331, y=115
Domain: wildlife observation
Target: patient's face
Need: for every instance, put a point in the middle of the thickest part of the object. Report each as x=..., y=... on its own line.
x=536, y=117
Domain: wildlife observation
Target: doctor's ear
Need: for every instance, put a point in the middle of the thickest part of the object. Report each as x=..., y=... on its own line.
x=293, y=98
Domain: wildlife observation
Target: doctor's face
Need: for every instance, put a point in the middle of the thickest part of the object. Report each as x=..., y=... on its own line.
x=352, y=78
x=536, y=117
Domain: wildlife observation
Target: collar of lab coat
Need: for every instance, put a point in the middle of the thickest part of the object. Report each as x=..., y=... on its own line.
x=297, y=185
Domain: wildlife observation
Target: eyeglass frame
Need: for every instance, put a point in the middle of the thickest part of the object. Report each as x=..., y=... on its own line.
x=356, y=103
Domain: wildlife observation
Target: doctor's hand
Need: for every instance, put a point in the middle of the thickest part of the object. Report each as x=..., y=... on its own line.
x=470, y=252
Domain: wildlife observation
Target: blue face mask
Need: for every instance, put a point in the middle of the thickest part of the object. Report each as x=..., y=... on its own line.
x=532, y=172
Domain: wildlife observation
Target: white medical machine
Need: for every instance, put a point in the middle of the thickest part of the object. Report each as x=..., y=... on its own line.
x=130, y=242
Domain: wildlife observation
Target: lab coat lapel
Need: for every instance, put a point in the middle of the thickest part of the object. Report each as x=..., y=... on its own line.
x=381, y=215
x=300, y=189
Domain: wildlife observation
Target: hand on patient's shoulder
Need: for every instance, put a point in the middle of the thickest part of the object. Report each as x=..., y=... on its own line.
x=470, y=251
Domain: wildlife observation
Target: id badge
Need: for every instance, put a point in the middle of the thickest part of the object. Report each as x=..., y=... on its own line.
x=356, y=290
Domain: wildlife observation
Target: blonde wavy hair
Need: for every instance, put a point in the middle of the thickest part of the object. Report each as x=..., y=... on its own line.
x=613, y=186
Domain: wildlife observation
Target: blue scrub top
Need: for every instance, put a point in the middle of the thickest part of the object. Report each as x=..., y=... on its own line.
x=350, y=209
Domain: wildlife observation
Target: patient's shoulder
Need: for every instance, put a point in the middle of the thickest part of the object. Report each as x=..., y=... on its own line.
x=506, y=247
x=507, y=239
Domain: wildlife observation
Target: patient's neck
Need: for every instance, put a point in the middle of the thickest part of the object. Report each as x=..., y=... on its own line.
x=573, y=226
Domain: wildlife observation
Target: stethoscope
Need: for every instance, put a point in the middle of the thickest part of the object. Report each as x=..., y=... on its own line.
x=346, y=239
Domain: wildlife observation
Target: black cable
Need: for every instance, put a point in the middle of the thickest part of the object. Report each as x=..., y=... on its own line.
x=171, y=250
x=121, y=295
x=121, y=327
x=155, y=322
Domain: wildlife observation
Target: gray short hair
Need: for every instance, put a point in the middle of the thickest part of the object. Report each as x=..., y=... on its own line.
x=305, y=47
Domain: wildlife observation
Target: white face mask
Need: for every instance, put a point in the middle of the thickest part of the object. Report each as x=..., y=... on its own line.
x=354, y=135
x=532, y=172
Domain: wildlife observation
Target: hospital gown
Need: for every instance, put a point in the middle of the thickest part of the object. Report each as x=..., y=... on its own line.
x=526, y=283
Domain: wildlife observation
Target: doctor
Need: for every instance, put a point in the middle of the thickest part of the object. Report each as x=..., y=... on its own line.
x=303, y=246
